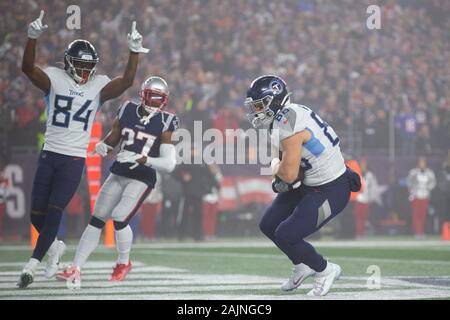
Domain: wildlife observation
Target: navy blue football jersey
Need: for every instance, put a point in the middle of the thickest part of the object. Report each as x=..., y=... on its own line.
x=141, y=139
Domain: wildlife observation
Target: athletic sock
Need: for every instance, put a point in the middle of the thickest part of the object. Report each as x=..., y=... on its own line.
x=326, y=271
x=124, y=239
x=88, y=242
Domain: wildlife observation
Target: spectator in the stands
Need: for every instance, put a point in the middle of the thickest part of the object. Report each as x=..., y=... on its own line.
x=421, y=180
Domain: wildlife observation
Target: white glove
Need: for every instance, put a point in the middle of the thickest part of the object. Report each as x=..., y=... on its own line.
x=36, y=28
x=128, y=156
x=135, y=40
x=102, y=149
x=274, y=165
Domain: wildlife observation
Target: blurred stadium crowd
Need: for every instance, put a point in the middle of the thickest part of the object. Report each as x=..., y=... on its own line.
x=380, y=89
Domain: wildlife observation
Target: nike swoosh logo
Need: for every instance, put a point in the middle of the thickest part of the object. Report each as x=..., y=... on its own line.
x=298, y=280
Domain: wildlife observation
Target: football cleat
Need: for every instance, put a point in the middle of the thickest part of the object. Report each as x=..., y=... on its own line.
x=120, y=271
x=323, y=282
x=54, y=256
x=299, y=274
x=26, y=278
x=70, y=274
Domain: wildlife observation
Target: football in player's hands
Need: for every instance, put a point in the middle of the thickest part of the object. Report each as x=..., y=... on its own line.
x=279, y=185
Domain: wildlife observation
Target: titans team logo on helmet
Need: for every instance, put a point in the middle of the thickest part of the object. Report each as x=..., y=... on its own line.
x=276, y=86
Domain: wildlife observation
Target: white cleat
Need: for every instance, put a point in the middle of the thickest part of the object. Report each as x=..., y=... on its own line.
x=54, y=256
x=299, y=274
x=26, y=278
x=325, y=279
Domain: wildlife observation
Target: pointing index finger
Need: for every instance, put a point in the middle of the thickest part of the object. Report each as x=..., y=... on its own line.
x=41, y=15
x=133, y=27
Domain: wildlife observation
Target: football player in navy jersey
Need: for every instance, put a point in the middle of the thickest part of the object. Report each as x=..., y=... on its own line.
x=73, y=96
x=145, y=132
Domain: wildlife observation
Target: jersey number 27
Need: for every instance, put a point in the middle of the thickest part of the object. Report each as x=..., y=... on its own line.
x=131, y=135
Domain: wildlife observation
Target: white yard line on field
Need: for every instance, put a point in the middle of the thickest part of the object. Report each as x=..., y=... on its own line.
x=280, y=256
x=379, y=244
x=150, y=282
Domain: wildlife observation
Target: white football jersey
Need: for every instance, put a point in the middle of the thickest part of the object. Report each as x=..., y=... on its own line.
x=322, y=161
x=71, y=110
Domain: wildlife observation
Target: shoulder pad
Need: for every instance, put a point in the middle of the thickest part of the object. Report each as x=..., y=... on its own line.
x=289, y=122
x=123, y=106
x=171, y=121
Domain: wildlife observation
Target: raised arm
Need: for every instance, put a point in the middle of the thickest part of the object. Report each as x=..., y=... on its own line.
x=118, y=85
x=38, y=77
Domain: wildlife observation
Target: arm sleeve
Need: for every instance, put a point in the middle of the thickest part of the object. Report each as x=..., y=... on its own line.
x=166, y=161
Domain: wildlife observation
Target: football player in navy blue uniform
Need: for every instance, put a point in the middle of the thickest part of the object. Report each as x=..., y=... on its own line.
x=145, y=135
x=73, y=96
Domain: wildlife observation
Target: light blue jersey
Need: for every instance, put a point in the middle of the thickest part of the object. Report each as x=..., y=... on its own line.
x=322, y=161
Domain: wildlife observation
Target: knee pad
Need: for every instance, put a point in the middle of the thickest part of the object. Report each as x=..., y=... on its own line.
x=96, y=222
x=118, y=225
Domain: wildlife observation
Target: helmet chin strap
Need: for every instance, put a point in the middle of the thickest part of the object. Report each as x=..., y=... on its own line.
x=73, y=73
x=286, y=99
x=152, y=111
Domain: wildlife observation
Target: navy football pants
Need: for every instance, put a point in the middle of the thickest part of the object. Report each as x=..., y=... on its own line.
x=296, y=214
x=56, y=180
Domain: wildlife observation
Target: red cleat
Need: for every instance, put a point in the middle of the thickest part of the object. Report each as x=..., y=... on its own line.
x=70, y=273
x=120, y=271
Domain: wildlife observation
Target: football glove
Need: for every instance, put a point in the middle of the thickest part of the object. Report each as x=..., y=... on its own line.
x=135, y=40
x=279, y=186
x=36, y=28
x=102, y=149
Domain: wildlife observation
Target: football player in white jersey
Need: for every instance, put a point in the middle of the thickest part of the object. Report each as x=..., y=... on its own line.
x=310, y=177
x=73, y=95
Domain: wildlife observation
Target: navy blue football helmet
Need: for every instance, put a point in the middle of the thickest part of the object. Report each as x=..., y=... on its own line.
x=80, y=59
x=265, y=97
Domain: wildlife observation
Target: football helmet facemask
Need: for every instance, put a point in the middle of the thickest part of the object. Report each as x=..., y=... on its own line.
x=265, y=97
x=80, y=59
x=154, y=94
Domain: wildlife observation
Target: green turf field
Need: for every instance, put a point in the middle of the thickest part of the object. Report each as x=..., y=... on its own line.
x=244, y=269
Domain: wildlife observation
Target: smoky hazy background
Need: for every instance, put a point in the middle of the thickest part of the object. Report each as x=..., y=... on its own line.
x=385, y=92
